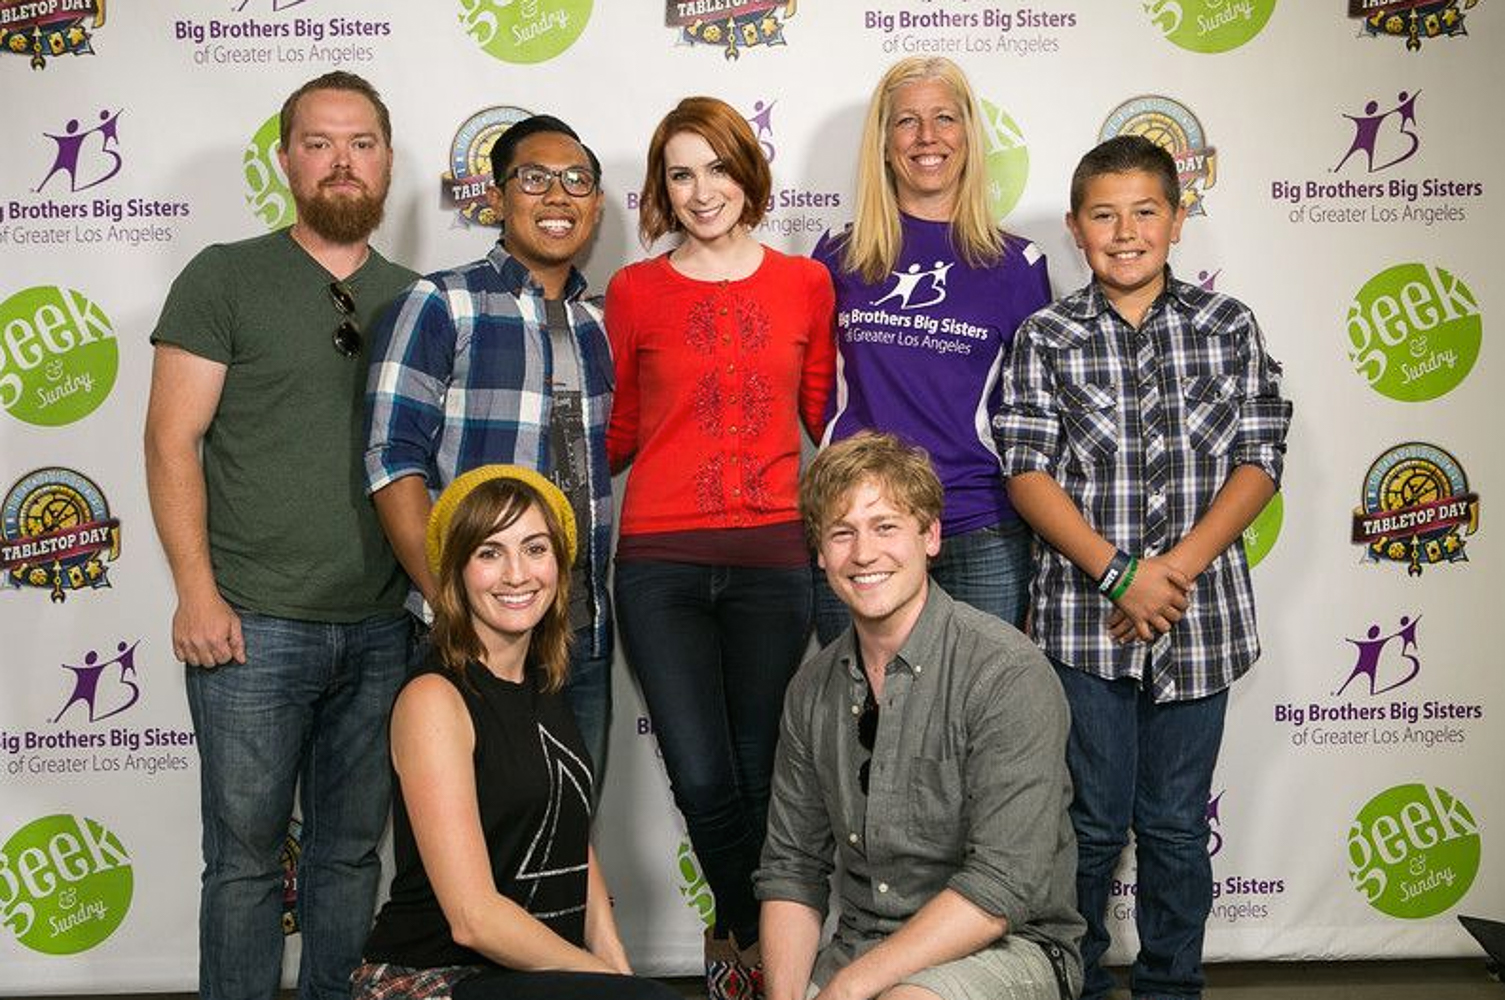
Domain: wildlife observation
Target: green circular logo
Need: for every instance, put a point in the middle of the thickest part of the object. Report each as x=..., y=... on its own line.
x=524, y=31
x=1414, y=332
x=65, y=884
x=266, y=188
x=1209, y=26
x=693, y=886
x=58, y=355
x=1006, y=158
x=1259, y=537
x=1413, y=851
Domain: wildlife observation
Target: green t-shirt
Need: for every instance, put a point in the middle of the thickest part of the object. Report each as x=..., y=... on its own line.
x=291, y=530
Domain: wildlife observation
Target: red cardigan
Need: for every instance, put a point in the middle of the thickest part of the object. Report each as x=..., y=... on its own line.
x=712, y=380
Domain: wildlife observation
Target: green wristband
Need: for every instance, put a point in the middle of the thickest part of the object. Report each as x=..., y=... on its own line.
x=1123, y=582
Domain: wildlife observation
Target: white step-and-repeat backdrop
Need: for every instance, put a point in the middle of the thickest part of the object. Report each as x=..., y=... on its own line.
x=1342, y=162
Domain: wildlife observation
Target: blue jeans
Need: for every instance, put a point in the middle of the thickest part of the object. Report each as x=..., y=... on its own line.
x=1146, y=766
x=989, y=568
x=307, y=711
x=714, y=647
x=589, y=692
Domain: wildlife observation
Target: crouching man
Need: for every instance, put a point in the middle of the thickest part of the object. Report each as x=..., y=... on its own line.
x=924, y=748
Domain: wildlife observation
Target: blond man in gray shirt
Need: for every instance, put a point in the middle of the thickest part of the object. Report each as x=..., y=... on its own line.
x=924, y=748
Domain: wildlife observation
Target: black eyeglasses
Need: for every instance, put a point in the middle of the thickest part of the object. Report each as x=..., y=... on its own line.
x=347, y=338
x=534, y=179
x=867, y=736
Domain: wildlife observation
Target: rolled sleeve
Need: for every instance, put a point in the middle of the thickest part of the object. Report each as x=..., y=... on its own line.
x=1016, y=783
x=413, y=360
x=1265, y=416
x=1026, y=426
x=799, y=848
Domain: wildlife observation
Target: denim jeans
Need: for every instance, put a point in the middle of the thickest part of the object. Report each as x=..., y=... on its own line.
x=1139, y=765
x=589, y=692
x=714, y=647
x=989, y=568
x=307, y=711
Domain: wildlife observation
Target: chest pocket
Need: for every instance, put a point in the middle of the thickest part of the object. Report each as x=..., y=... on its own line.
x=1212, y=410
x=1089, y=416
x=937, y=809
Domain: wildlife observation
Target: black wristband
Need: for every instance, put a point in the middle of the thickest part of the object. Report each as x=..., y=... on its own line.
x=1115, y=569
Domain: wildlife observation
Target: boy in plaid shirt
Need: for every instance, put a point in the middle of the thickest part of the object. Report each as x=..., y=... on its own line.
x=1142, y=428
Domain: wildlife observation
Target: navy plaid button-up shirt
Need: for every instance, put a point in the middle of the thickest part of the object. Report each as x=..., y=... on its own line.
x=1141, y=428
x=461, y=375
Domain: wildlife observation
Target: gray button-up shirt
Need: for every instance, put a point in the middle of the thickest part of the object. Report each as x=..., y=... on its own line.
x=968, y=788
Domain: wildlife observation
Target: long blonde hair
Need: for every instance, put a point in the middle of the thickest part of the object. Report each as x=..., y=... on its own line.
x=875, y=239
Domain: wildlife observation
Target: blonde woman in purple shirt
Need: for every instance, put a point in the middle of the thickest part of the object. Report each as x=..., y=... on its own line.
x=929, y=292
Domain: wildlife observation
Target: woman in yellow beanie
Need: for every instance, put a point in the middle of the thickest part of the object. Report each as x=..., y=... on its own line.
x=496, y=880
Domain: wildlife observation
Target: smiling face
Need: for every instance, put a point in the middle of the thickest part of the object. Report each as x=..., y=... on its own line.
x=511, y=580
x=705, y=198
x=925, y=148
x=337, y=163
x=1125, y=227
x=876, y=557
x=545, y=232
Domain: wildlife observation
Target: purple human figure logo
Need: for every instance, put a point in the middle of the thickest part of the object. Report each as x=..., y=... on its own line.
x=70, y=150
x=1367, y=131
x=1371, y=649
x=87, y=678
x=1214, y=822
x=1206, y=280
x=761, y=121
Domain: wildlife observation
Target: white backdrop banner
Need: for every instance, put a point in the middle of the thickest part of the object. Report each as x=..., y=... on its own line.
x=1342, y=177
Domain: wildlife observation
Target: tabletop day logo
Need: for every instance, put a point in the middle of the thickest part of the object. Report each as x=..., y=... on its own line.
x=1412, y=20
x=1006, y=159
x=1209, y=26
x=289, y=858
x=524, y=31
x=1171, y=125
x=1374, y=140
x=259, y=40
x=465, y=183
x=1379, y=698
x=44, y=29
x=65, y=884
x=267, y=191
x=1414, y=332
x=731, y=25
x=58, y=356
x=56, y=534
x=1416, y=507
x=1413, y=851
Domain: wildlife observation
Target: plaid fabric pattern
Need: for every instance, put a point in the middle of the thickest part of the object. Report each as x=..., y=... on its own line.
x=383, y=981
x=1141, y=429
x=461, y=374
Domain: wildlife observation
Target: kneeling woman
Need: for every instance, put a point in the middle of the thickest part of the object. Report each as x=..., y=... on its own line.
x=497, y=892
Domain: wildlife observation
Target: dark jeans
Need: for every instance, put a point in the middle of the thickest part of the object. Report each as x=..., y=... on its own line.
x=988, y=568
x=1146, y=766
x=589, y=692
x=714, y=647
x=507, y=984
x=306, y=711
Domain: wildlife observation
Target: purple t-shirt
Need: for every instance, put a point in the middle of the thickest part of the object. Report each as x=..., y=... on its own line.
x=921, y=352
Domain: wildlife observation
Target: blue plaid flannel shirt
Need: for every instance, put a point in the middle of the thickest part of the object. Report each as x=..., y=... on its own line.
x=1141, y=429
x=460, y=377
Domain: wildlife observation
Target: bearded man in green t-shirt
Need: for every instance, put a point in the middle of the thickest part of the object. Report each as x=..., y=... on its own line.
x=289, y=601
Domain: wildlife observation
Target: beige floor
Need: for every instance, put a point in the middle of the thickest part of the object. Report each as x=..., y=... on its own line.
x=1453, y=979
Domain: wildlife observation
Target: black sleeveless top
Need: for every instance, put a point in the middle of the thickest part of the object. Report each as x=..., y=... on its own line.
x=533, y=785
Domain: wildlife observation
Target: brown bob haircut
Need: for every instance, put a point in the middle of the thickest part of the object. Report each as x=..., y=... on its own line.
x=732, y=139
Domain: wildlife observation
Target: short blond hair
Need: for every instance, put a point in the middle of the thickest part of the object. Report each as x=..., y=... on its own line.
x=902, y=471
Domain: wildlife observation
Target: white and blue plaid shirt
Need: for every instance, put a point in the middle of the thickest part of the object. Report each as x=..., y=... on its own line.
x=1142, y=428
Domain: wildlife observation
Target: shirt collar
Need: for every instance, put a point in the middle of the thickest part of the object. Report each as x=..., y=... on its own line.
x=919, y=649
x=517, y=279
x=1090, y=302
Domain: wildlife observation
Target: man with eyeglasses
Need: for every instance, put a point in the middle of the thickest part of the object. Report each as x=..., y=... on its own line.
x=505, y=360
x=925, y=748
x=289, y=600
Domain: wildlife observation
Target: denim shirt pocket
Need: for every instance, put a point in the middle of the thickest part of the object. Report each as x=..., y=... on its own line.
x=1212, y=405
x=937, y=807
x=1089, y=415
